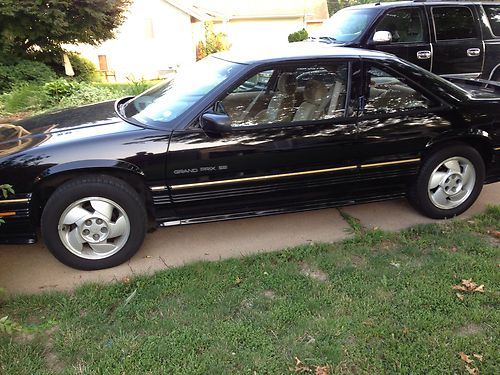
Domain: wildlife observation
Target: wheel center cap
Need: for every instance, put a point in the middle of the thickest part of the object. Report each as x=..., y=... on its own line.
x=94, y=230
x=453, y=184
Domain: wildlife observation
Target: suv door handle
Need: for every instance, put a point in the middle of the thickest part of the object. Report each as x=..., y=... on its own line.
x=473, y=52
x=423, y=55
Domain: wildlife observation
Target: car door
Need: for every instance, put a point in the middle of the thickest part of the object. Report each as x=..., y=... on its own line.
x=395, y=123
x=457, y=46
x=410, y=36
x=295, y=154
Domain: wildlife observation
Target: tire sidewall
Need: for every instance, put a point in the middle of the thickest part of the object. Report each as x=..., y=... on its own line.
x=69, y=193
x=421, y=195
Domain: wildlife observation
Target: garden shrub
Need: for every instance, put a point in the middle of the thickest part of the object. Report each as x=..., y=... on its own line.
x=298, y=36
x=26, y=97
x=60, y=88
x=24, y=71
x=87, y=93
x=84, y=69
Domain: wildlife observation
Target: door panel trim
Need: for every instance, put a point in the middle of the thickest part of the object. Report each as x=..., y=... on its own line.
x=395, y=162
x=294, y=174
x=262, y=178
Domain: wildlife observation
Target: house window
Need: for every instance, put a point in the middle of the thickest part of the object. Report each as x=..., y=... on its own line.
x=103, y=63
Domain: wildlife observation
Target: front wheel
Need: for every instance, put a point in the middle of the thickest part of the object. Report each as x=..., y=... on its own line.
x=94, y=222
x=449, y=182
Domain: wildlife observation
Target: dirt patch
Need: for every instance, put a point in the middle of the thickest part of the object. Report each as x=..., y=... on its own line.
x=470, y=329
x=268, y=293
x=358, y=260
x=313, y=272
x=50, y=357
x=383, y=294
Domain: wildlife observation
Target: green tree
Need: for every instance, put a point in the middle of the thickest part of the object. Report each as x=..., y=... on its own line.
x=39, y=27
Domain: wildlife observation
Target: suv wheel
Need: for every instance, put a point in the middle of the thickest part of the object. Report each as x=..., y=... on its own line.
x=94, y=222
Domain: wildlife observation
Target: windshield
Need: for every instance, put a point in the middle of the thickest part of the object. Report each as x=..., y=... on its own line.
x=346, y=25
x=170, y=99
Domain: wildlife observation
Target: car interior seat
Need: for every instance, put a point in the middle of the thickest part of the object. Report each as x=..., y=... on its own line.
x=311, y=108
x=282, y=104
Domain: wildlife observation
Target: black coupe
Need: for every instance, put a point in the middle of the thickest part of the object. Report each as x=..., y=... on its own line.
x=305, y=127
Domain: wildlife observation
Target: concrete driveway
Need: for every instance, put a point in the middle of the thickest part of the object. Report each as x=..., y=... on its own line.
x=32, y=269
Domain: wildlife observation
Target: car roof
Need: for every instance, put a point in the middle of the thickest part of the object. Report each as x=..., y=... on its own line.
x=297, y=51
x=392, y=4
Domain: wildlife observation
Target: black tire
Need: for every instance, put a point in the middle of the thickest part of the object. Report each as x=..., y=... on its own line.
x=106, y=187
x=419, y=191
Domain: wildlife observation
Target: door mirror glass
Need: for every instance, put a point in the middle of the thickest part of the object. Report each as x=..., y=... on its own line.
x=381, y=37
x=215, y=123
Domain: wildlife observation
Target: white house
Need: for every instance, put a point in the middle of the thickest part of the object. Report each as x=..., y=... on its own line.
x=159, y=35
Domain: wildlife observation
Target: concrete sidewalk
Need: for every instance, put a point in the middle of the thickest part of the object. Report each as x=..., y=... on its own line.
x=32, y=269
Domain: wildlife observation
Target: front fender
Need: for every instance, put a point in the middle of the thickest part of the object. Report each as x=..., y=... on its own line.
x=82, y=165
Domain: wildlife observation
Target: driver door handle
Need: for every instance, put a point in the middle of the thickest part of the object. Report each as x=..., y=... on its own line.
x=423, y=55
x=473, y=52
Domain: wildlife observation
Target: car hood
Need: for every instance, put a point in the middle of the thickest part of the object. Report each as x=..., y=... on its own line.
x=74, y=123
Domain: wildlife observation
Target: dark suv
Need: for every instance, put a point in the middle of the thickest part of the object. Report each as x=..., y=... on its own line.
x=447, y=38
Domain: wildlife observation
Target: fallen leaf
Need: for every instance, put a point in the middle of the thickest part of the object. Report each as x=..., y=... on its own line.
x=406, y=331
x=322, y=370
x=478, y=356
x=238, y=280
x=469, y=286
x=464, y=357
x=495, y=233
x=397, y=265
x=126, y=280
x=460, y=296
x=300, y=367
x=454, y=249
x=472, y=370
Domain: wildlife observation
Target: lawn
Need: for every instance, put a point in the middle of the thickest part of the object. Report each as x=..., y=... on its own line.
x=376, y=303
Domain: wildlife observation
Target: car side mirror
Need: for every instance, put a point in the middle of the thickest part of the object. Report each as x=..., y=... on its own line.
x=382, y=37
x=215, y=124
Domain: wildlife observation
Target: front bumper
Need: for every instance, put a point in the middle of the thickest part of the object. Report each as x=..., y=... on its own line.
x=18, y=227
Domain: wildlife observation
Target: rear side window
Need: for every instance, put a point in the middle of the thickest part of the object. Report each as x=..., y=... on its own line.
x=493, y=13
x=454, y=23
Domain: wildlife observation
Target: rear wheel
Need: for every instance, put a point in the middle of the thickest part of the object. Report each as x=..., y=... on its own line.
x=449, y=182
x=94, y=222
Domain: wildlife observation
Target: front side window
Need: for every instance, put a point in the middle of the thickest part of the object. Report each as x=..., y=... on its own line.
x=386, y=93
x=454, y=23
x=493, y=13
x=308, y=93
x=170, y=99
x=405, y=25
x=346, y=25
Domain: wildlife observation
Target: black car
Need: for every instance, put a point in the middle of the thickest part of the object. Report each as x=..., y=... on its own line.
x=236, y=136
x=456, y=38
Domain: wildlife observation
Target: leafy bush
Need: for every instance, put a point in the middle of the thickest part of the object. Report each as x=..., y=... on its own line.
x=87, y=93
x=84, y=69
x=26, y=97
x=60, y=88
x=298, y=36
x=25, y=71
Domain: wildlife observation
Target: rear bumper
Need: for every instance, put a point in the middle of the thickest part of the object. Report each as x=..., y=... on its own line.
x=18, y=227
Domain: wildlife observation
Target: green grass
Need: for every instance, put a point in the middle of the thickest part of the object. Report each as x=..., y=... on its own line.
x=377, y=303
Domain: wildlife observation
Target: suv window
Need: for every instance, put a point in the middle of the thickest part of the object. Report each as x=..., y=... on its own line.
x=493, y=13
x=454, y=23
x=405, y=25
x=305, y=93
x=386, y=93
